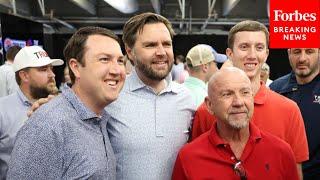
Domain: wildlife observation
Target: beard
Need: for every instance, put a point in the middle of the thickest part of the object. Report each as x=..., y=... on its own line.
x=239, y=125
x=43, y=92
x=151, y=73
x=305, y=73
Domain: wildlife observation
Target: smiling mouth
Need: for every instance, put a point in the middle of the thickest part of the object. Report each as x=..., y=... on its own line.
x=112, y=82
x=250, y=65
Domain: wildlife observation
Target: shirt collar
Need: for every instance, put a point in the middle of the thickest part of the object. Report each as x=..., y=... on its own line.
x=23, y=98
x=216, y=140
x=83, y=111
x=135, y=83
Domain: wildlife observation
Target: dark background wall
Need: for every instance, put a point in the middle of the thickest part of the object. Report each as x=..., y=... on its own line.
x=17, y=28
x=277, y=60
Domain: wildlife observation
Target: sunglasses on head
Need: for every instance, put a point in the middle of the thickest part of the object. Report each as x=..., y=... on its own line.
x=239, y=170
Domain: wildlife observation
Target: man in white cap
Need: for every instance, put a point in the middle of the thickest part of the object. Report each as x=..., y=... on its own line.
x=201, y=61
x=34, y=75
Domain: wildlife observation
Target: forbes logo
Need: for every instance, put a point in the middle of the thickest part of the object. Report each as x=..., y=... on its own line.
x=279, y=15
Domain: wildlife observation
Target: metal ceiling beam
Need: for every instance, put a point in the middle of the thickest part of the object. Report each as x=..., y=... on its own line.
x=182, y=5
x=210, y=13
x=11, y=4
x=228, y=5
x=41, y=5
x=85, y=5
x=156, y=6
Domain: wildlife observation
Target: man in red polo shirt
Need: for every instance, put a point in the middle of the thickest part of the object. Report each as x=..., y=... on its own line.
x=248, y=50
x=234, y=148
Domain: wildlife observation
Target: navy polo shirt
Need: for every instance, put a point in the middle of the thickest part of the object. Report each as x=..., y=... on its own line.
x=307, y=96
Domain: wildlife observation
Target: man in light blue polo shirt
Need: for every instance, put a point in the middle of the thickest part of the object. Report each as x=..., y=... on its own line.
x=67, y=138
x=201, y=61
x=36, y=80
x=151, y=117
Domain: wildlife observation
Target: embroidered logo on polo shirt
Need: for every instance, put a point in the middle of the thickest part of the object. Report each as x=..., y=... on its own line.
x=316, y=99
x=267, y=166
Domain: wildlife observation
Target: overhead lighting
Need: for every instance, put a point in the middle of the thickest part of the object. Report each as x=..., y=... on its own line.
x=124, y=6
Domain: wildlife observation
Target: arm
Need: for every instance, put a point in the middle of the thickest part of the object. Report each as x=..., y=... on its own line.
x=202, y=121
x=12, y=85
x=37, y=154
x=178, y=170
x=299, y=168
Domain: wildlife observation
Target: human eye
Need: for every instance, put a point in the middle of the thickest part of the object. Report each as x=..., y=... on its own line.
x=104, y=59
x=121, y=61
x=260, y=47
x=167, y=44
x=226, y=94
x=310, y=51
x=243, y=46
x=150, y=45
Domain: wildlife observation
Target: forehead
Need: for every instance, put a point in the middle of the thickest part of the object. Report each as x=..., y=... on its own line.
x=251, y=37
x=102, y=44
x=231, y=81
x=153, y=32
x=305, y=49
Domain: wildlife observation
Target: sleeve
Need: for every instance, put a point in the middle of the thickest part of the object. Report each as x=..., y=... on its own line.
x=11, y=83
x=36, y=154
x=178, y=170
x=202, y=121
x=289, y=169
x=297, y=135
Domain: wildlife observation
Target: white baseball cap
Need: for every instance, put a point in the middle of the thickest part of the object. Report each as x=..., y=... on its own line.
x=33, y=56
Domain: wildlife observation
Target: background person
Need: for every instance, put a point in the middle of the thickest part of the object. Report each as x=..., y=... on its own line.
x=302, y=85
x=35, y=77
x=8, y=84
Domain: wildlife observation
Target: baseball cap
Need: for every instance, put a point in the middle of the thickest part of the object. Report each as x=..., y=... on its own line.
x=219, y=58
x=200, y=54
x=33, y=56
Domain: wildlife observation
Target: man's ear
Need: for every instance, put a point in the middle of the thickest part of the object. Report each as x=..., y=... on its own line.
x=209, y=105
x=130, y=53
x=205, y=67
x=229, y=53
x=24, y=75
x=74, y=66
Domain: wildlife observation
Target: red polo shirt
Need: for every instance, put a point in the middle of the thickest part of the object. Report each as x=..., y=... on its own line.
x=210, y=157
x=273, y=113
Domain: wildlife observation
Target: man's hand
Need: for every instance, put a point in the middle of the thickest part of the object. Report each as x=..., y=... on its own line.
x=38, y=103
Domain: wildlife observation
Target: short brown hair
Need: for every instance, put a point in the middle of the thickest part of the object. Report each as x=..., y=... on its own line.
x=75, y=47
x=12, y=52
x=247, y=25
x=135, y=25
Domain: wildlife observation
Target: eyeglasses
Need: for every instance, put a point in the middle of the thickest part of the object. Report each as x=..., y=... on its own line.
x=239, y=170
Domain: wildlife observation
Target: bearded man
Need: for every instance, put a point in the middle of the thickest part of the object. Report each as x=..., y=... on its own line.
x=34, y=75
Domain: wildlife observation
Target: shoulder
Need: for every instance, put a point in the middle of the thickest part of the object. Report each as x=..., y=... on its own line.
x=196, y=147
x=275, y=143
x=52, y=114
x=280, y=101
x=6, y=101
x=278, y=84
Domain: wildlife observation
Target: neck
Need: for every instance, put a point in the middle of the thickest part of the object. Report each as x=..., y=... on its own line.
x=26, y=91
x=237, y=138
x=156, y=85
x=87, y=100
x=305, y=80
x=255, y=84
x=9, y=62
x=198, y=76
